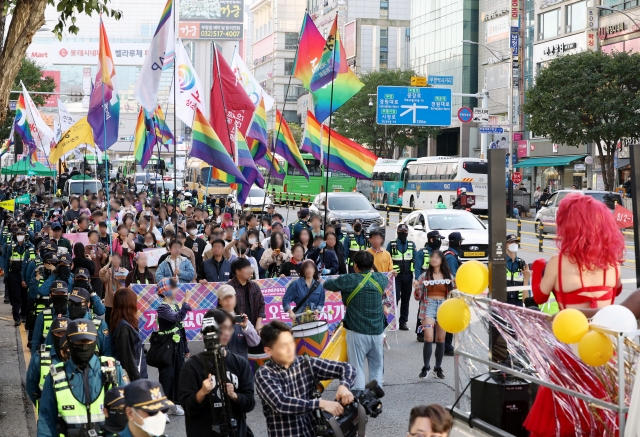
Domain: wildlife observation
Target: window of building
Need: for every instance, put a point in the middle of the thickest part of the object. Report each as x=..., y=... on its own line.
x=618, y=5
x=576, y=16
x=291, y=40
x=384, y=8
x=384, y=59
x=384, y=37
x=549, y=24
x=288, y=66
x=147, y=30
x=190, y=48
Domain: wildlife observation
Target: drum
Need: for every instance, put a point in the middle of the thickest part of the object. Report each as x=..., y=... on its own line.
x=336, y=350
x=311, y=337
x=257, y=360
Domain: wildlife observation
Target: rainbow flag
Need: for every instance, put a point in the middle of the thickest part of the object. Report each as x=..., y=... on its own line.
x=21, y=126
x=163, y=133
x=345, y=84
x=104, y=103
x=206, y=145
x=286, y=145
x=144, y=138
x=329, y=66
x=248, y=167
x=8, y=143
x=346, y=156
x=258, y=131
x=267, y=161
x=222, y=176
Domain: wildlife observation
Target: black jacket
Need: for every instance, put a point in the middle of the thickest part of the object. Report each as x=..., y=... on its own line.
x=197, y=416
x=197, y=245
x=84, y=262
x=216, y=272
x=127, y=348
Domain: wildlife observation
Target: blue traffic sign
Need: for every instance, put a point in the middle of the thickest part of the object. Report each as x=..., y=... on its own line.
x=490, y=130
x=440, y=80
x=412, y=106
x=465, y=114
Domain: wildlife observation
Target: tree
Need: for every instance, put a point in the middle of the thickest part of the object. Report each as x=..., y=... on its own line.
x=357, y=120
x=297, y=131
x=27, y=16
x=589, y=97
x=31, y=75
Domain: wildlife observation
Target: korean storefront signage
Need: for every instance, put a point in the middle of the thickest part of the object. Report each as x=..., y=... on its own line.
x=604, y=31
x=547, y=3
x=592, y=18
x=222, y=21
x=486, y=16
x=559, y=48
x=515, y=10
x=79, y=53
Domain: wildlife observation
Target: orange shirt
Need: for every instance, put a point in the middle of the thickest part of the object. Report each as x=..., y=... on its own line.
x=382, y=260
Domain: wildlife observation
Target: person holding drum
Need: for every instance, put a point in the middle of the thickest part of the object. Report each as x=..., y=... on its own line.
x=308, y=294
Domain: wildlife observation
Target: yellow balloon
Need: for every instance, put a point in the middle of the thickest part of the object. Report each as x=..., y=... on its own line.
x=454, y=315
x=570, y=325
x=472, y=277
x=595, y=349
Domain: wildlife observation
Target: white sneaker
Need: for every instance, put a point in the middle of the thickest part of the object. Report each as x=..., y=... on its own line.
x=177, y=411
x=167, y=417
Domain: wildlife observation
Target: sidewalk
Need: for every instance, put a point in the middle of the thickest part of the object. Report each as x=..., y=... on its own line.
x=17, y=418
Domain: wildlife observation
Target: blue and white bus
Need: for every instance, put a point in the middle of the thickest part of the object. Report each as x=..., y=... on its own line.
x=438, y=178
x=387, y=182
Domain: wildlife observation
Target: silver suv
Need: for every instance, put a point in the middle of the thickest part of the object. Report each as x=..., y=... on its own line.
x=346, y=207
x=547, y=213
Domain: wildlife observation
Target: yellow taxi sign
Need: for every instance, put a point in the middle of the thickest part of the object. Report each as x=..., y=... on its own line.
x=418, y=81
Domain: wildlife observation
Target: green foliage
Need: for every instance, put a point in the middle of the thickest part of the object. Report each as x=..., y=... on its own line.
x=68, y=9
x=589, y=97
x=31, y=75
x=357, y=120
x=297, y=131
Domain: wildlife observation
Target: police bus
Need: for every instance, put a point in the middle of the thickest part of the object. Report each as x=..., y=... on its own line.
x=387, y=182
x=439, y=178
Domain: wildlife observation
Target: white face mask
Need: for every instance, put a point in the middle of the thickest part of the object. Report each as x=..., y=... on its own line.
x=153, y=425
x=20, y=238
x=193, y=232
x=513, y=247
x=252, y=241
x=148, y=244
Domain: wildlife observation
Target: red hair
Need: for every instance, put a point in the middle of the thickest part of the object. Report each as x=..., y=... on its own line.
x=587, y=233
x=125, y=306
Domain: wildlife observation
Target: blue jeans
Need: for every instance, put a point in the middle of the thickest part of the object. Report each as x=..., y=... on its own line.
x=361, y=346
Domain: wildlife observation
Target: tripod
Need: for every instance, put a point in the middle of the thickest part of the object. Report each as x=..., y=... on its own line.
x=227, y=426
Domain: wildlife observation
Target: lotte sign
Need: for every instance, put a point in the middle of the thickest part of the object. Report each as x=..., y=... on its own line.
x=516, y=177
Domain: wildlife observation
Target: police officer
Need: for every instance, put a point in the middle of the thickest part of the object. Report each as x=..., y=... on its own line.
x=434, y=241
x=518, y=272
x=297, y=226
x=452, y=257
x=36, y=275
x=14, y=256
x=146, y=408
x=354, y=242
x=271, y=210
x=42, y=360
x=114, y=412
x=59, y=295
x=403, y=254
x=73, y=393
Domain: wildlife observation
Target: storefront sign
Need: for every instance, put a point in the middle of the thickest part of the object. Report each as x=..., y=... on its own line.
x=592, y=18
x=498, y=29
x=79, y=53
x=557, y=49
x=486, y=16
x=515, y=10
x=547, y=3
x=517, y=136
x=513, y=41
x=592, y=40
x=523, y=149
x=610, y=30
x=218, y=31
x=224, y=11
x=579, y=167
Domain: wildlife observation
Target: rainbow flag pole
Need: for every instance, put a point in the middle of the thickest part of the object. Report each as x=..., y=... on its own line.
x=336, y=48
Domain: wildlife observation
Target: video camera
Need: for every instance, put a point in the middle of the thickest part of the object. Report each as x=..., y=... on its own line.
x=210, y=334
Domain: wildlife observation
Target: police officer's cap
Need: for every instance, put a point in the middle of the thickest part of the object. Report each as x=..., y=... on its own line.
x=65, y=259
x=61, y=324
x=20, y=231
x=51, y=247
x=114, y=398
x=59, y=286
x=81, y=329
x=455, y=236
x=82, y=273
x=512, y=237
x=434, y=234
x=402, y=227
x=50, y=258
x=79, y=295
x=22, y=224
x=146, y=395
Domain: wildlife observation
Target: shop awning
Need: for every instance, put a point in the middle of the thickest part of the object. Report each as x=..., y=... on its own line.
x=548, y=161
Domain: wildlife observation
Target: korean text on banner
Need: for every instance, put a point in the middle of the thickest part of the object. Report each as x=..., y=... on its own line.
x=203, y=298
x=153, y=256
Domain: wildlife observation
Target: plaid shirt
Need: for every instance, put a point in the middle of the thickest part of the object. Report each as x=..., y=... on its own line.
x=286, y=393
x=364, y=314
x=254, y=306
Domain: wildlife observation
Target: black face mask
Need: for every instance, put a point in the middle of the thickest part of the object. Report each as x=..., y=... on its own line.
x=56, y=345
x=81, y=283
x=77, y=312
x=402, y=236
x=58, y=303
x=357, y=228
x=81, y=353
x=64, y=272
x=117, y=420
x=435, y=244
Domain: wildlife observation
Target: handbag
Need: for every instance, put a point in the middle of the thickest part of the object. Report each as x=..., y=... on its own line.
x=160, y=353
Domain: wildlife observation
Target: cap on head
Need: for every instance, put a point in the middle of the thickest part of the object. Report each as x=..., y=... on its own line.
x=61, y=324
x=81, y=329
x=402, y=227
x=512, y=237
x=225, y=291
x=146, y=395
x=82, y=273
x=165, y=285
x=59, y=286
x=56, y=226
x=65, y=259
x=79, y=295
x=114, y=397
x=455, y=236
x=434, y=234
x=50, y=258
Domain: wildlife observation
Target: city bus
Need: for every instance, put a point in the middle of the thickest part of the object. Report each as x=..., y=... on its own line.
x=128, y=166
x=198, y=177
x=295, y=183
x=438, y=178
x=387, y=182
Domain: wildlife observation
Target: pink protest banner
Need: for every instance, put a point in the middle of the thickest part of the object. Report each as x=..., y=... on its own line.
x=153, y=256
x=203, y=298
x=81, y=237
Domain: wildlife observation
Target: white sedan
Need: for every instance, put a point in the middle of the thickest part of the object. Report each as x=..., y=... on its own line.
x=476, y=236
x=256, y=200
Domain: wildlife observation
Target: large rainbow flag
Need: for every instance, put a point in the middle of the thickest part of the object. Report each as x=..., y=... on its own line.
x=206, y=145
x=286, y=145
x=144, y=138
x=257, y=133
x=345, y=84
x=248, y=167
x=346, y=156
x=21, y=126
x=163, y=133
x=267, y=161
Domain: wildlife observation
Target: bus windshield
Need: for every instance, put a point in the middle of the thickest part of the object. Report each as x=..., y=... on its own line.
x=386, y=176
x=313, y=165
x=207, y=181
x=80, y=187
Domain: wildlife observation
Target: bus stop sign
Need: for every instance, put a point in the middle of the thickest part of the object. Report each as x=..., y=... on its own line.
x=516, y=177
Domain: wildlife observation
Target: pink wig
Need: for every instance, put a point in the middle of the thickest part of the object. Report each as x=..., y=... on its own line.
x=587, y=233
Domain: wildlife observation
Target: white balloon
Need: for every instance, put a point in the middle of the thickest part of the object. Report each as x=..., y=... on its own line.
x=615, y=317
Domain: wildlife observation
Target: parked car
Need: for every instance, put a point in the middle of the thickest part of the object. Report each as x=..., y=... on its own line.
x=256, y=200
x=78, y=187
x=475, y=245
x=346, y=207
x=547, y=212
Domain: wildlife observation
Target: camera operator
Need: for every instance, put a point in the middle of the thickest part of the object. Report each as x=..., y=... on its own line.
x=199, y=389
x=287, y=375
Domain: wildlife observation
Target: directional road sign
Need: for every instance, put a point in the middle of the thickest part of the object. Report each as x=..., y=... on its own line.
x=465, y=114
x=411, y=106
x=490, y=129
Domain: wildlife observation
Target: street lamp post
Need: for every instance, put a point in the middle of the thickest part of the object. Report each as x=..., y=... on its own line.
x=509, y=114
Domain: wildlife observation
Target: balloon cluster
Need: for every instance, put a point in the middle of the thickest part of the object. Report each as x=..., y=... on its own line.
x=570, y=326
x=454, y=315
